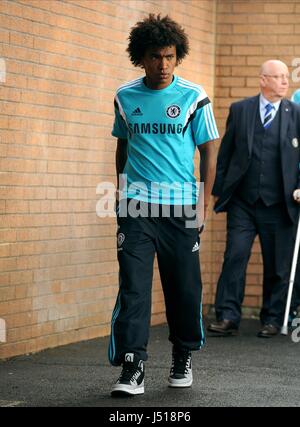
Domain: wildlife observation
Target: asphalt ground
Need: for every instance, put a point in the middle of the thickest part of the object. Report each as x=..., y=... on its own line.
x=242, y=371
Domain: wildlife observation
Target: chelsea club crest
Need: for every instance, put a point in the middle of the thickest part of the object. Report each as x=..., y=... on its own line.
x=173, y=111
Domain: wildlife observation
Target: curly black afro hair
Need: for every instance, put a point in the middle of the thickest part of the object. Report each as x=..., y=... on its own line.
x=156, y=32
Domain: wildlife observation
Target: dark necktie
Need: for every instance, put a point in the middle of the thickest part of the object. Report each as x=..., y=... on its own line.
x=268, y=115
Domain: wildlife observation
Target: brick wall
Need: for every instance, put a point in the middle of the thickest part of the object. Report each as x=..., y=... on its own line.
x=64, y=60
x=248, y=33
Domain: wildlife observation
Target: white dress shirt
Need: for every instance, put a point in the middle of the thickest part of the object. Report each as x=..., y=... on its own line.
x=262, y=107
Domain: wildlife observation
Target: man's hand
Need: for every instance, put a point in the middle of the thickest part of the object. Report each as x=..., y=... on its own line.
x=296, y=195
x=201, y=228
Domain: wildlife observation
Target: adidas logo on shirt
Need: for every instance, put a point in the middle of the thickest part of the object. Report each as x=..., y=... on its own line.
x=137, y=112
x=196, y=247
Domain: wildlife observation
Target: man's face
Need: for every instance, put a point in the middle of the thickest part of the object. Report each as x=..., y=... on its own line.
x=274, y=81
x=159, y=64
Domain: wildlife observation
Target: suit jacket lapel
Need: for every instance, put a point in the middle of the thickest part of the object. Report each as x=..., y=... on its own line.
x=284, y=121
x=251, y=116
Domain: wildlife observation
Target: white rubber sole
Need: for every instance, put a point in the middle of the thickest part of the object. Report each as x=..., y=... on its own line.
x=179, y=383
x=124, y=389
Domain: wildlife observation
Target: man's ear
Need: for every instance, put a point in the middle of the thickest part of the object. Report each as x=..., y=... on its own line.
x=262, y=80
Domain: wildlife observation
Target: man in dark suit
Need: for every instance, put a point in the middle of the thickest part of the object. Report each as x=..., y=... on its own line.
x=257, y=184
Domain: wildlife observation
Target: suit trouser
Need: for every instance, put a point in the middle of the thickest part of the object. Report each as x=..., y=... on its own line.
x=178, y=260
x=275, y=231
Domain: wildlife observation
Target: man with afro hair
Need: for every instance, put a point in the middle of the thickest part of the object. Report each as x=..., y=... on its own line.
x=160, y=119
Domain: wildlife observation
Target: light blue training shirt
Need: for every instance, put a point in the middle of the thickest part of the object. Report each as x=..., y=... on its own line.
x=163, y=128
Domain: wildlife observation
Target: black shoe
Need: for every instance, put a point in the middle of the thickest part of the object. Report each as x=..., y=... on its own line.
x=268, y=331
x=223, y=328
x=181, y=370
x=131, y=380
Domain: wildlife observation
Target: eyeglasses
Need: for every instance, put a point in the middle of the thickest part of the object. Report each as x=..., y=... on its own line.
x=278, y=76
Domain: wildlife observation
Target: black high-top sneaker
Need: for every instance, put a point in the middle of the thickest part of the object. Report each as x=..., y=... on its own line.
x=131, y=380
x=181, y=370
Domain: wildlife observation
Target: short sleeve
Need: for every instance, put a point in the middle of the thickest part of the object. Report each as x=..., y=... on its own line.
x=204, y=125
x=119, y=128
